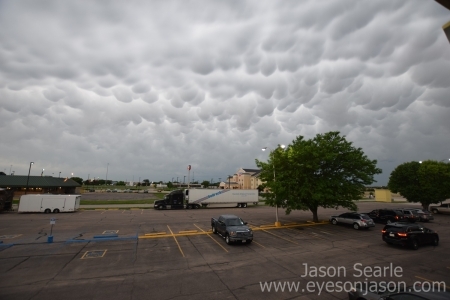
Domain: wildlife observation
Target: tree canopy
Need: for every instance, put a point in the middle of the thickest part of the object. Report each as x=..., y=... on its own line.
x=426, y=183
x=326, y=171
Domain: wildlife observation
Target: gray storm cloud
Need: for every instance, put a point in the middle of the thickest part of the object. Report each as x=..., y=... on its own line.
x=150, y=87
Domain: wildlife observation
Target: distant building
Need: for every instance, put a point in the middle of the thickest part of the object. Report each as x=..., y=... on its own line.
x=39, y=185
x=247, y=179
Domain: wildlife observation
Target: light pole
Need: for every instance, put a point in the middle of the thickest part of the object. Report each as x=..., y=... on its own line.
x=59, y=174
x=28, y=178
x=106, y=181
x=42, y=173
x=277, y=223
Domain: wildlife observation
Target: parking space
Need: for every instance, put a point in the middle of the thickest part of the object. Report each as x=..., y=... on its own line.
x=159, y=251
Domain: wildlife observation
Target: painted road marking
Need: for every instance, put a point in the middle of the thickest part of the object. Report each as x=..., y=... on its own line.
x=110, y=232
x=188, y=231
x=258, y=244
x=209, y=234
x=11, y=236
x=443, y=284
x=280, y=237
x=179, y=247
x=156, y=233
x=94, y=254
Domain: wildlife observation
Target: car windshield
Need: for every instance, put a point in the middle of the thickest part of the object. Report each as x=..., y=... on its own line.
x=366, y=217
x=234, y=222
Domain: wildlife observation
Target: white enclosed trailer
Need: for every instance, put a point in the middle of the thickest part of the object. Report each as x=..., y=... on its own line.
x=49, y=203
x=220, y=198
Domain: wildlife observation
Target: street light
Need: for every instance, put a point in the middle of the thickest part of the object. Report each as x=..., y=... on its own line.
x=59, y=174
x=106, y=181
x=277, y=223
x=42, y=173
x=28, y=178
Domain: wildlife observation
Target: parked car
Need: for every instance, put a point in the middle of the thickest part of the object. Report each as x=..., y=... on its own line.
x=424, y=215
x=412, y=235
x=114, y=191
x=146, y=191
x=410, y=215
x=440, y=209
x=386, y=215
x=357, y=220
x=399, y=292
x=375, y=292
x=108, y=191
x=232, y=229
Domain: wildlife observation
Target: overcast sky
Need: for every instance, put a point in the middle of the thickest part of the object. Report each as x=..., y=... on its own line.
x=150, y=87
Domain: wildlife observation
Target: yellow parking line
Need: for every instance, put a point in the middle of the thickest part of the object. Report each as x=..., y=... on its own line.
x=258, y=244
x=188, y=231
x=212, y=238
x=280, y=237
x=176, y=241
x=429, y=280
x=155, y=233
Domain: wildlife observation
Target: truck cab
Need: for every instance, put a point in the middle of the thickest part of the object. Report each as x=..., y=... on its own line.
x=174, y=200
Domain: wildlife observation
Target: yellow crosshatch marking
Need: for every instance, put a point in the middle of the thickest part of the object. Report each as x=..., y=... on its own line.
x=94, y=254
x=196, y=232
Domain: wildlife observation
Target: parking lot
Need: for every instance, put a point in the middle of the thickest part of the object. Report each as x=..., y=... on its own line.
x=148, y=254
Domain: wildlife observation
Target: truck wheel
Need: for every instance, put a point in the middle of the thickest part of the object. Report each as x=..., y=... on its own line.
x=434, y=211
x=227, y=239
x=47, y=211
x=197, y=206
x=239, y=205
x=55, y=211
x=244, y=205
x=213, y=228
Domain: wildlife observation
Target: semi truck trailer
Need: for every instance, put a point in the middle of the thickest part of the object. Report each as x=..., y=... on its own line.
x=49, y=203
x=196, y=198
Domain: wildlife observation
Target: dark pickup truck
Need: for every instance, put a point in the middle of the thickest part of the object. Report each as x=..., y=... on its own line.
x=232, y=229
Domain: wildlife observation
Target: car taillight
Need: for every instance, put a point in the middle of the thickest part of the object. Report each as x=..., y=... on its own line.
x=402, y=234
x=396, y=217
x=383, y=231
x=362, y=220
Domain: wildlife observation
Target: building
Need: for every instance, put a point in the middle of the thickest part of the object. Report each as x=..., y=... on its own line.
x=39, y=185
x=247, y=179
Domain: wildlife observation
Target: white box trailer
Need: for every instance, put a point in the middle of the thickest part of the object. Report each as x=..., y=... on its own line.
x=49, y=203
x=220, y=198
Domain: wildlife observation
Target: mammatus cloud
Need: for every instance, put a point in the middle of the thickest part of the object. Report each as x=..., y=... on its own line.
x=150, y=87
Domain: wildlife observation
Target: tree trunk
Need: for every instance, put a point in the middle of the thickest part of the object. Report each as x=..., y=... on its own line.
x=315, y=216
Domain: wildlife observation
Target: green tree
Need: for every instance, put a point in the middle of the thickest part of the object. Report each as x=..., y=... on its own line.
x=146, y=181
x=326, y=171
x=205, y=183
x=77, y=179
x=120, y=183
x=170, y=185
x=425, y=183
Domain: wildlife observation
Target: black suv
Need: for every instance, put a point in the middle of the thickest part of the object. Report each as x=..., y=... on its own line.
x=386, y=215
x=411, y=235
